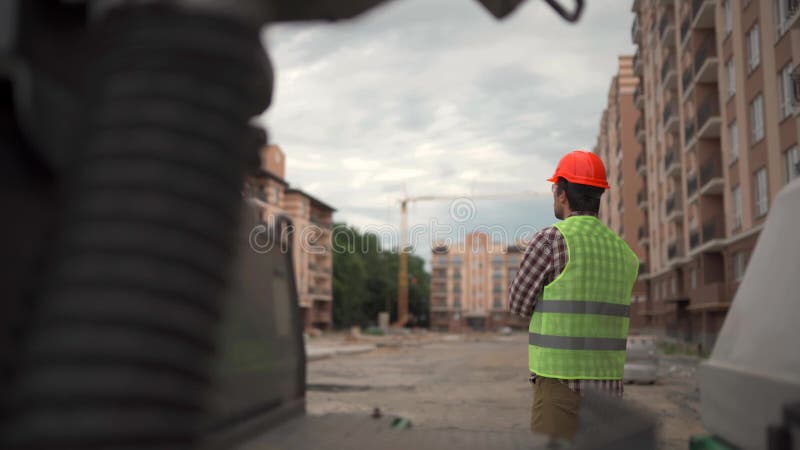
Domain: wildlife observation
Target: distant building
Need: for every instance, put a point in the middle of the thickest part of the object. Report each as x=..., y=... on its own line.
x=624, y=205
x=313, y=221
x=469, y=284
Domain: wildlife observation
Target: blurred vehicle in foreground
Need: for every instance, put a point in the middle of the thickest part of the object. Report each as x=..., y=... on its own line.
x=750, y=386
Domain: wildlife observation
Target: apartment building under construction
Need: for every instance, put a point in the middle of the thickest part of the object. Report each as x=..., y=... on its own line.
x=718, y=106
x=618, y=147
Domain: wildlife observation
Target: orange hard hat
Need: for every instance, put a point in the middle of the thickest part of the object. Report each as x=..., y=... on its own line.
x=581, y=167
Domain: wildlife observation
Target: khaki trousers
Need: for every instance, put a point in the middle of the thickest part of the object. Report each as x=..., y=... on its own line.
x=555, y=409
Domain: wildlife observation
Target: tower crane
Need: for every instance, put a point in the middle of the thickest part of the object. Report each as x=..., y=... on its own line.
x=402, y=273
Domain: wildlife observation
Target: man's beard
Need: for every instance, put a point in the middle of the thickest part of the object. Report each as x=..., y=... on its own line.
x=559, y=214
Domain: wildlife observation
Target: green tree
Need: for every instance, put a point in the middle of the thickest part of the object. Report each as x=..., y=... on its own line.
x=365, y=280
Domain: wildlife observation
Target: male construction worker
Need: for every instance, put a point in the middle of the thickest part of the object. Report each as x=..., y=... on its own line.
x=574, y=283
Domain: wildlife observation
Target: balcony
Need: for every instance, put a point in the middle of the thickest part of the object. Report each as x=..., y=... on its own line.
x=672, y=208
x=321, y=317
x=713, y=236
x=666, y=30
x=708, y=120
x=670, y=118
x=703, y=14
x=438, y=304
x=636, y=31
x=641, y=199
x=688, y=81
x=705, y=61
x=644, y=237
x=711, y=181
x=685, y=26
x=672, y=163
x=688, y=135
x=320, y=270
x=792, y=14
x=691, y=186
x=638, y=97
x=641, y=165
x=709, y=296
x=674, y=251
x=668, y=74
x=640, y=132
x=319, y=293
x=694, y=239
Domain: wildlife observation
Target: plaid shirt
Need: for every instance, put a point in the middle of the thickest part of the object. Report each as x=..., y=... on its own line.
x=544, y=259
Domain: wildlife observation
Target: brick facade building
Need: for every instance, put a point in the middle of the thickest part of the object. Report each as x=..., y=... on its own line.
x=312, y=220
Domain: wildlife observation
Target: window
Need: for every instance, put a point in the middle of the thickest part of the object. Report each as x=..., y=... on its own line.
x=674, y=285
x=738, y=266
x=760, y=184
x=753, y=49
x=730, y=70
x=757, y=119
x=736, y=199
x=733, y=139
x=693, y=278
x=781, y=9
x=728, y=17
x=790, y=163
x=785, y=91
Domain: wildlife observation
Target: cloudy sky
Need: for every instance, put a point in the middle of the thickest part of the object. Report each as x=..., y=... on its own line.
x=438, y=98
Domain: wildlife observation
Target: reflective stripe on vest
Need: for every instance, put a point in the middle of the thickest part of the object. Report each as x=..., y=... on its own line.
x=576, y=343
x=583, y=307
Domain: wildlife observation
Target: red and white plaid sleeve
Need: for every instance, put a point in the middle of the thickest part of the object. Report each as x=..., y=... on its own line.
x=538, y=267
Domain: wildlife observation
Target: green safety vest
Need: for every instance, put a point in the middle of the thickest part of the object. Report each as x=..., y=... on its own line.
x=579, y=327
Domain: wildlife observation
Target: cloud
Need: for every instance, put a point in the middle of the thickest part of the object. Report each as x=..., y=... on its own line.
x=436, y=97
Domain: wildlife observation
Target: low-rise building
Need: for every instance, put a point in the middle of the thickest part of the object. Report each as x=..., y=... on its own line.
x=312, y=222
